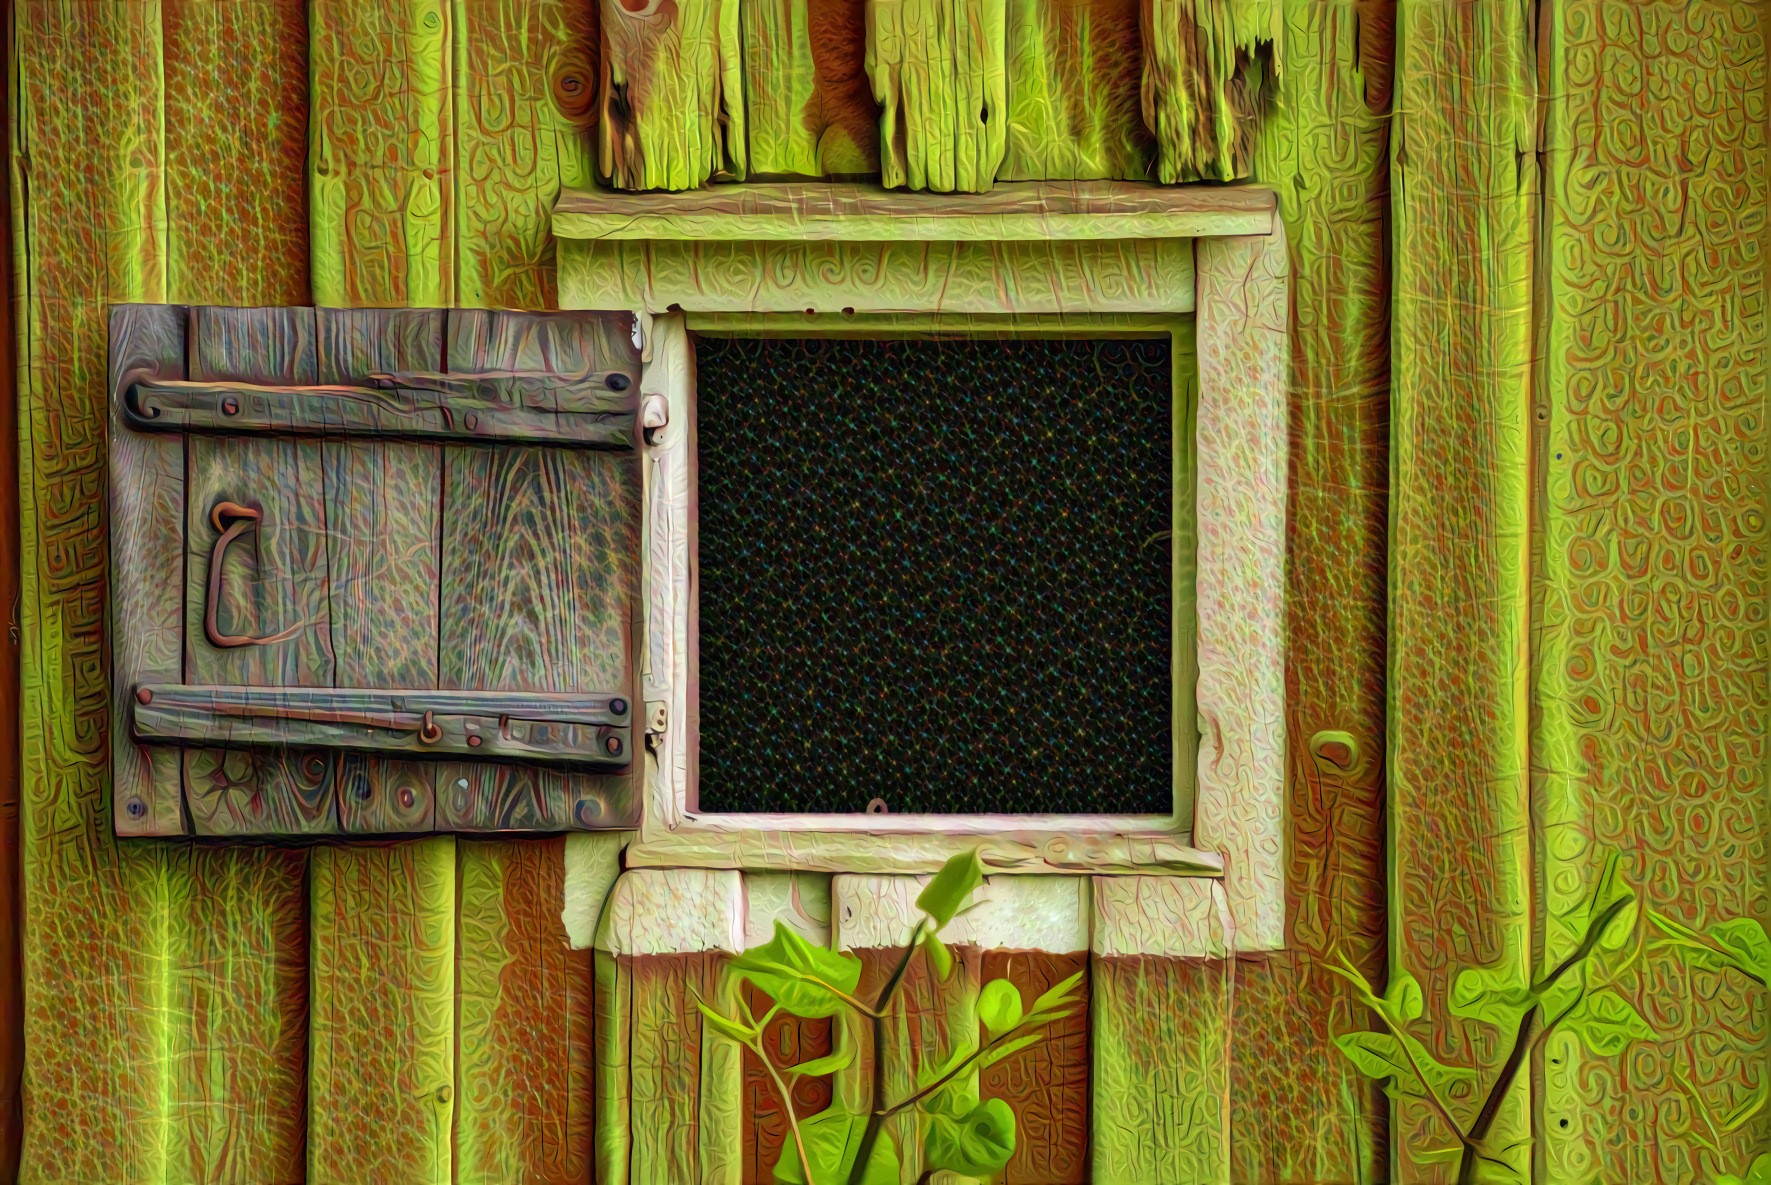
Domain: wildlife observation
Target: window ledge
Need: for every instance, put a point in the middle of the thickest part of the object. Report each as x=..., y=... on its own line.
x=802, y=211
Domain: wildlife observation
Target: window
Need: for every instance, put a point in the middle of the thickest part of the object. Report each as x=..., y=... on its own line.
x=933, y=574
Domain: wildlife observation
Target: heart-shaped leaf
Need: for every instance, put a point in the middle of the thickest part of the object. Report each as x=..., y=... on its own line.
x=830, y=1063
x=800, y=977
x=1404, y=997
x=999, y=1006
x=976, y=1144
x=1607, y=1024
x=1491, y=994
x=726, y=1026
x=1392, y=1060
x=833, y=1140
x=950, y=888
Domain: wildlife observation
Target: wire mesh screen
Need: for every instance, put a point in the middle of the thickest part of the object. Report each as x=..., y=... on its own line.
x=935, y=573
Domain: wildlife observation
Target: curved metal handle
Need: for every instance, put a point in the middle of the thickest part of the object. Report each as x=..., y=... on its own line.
x=244, y=519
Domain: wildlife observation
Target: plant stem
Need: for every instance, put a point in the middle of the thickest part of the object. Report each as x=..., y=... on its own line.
x=955, y=1072
x=799, y=1143
x=875, y=1120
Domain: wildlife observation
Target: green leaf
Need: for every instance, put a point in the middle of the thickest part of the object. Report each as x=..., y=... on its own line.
x=976, y=1144
x=940, y=958
x=800, y=976
x=1607, y=1024
x=958, y=879
x=1009, y=1049
x=999, y=1006
x=828, y=1064
x=833, y=1140
x=1760, y=1172
x=1435, y=1155
x=726, y=1026
x=1608, y=890
x=1490, y=994
x=1405, y=998
x=1385, y=1056
x=1740, y=943
x=1060, y=995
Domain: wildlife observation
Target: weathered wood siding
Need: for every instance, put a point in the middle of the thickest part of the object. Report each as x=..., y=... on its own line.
x=1526, y=546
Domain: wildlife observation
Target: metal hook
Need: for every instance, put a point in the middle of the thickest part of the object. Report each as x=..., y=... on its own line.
x=244, y=519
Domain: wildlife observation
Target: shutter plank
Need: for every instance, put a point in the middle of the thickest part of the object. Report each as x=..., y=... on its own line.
x=539, y=585
x=147, y=557
x=384, y=537
x=275, y=578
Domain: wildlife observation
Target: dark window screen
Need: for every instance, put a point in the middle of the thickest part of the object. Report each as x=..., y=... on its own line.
x=934, y=573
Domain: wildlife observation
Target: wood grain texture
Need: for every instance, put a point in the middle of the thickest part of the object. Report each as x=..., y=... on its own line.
x=1325, y=149
x=236, y=113
x=381, y=1086
x=672, y=110
x=147, y=553
x=381, y=155
x=1161, y=1074
x=1239, y=575
x=537, y=594
x=809, y=109
x=524, y=101
x=1460, y=530
x=384, y=544
x=1649, y=642
x=1209, y=67
x=86, y=131
x=939, y=71
x=1075, y=70
x=524, y=1002
x=1031, y=210
x=239, y=1013
x=1047, y=1084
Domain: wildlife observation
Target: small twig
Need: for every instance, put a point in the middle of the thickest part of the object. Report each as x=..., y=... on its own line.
x=756, y=1047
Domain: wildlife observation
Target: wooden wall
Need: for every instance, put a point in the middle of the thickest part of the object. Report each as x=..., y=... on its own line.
x=1528, y=601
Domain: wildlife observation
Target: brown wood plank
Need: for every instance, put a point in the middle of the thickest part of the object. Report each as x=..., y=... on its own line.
x=274, y=577
x=1047, y=1084
x=789, y=1040
x=383, y=517
x=523, y=1001
x=382, y=1084
x=147, y=557
x=539, y=574
x=665, y=1063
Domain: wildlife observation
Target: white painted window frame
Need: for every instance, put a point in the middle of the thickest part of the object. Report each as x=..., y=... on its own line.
x=1082, y=274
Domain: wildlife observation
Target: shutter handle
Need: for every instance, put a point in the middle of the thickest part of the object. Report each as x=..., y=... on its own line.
x=244, y=519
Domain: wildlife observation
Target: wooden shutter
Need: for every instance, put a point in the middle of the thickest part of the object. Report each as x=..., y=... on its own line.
x=373, y=571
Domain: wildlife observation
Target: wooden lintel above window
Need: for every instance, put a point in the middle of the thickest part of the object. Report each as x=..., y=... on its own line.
x=1040, y=210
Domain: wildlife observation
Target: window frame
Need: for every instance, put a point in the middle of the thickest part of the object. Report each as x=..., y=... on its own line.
x=688, y=266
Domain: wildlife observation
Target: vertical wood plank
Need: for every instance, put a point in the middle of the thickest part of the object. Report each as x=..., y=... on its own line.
x=86, y=171
x=1161, y=1080
x=382, y=1019
x=671, y=94
x=147, y=555
x=383, y=538
x=1208, y=68
x=1074, y=71
x=524, y=1007
x=236, y=150
x=1467, y=104
x=236, y=137
x=802, y=902
x=381, y=158
x=662, y=942
x=939, y=70
x=539, y=579
x=808, y=106
x=525, y=90
x=274, y=579
x=1324, y=149
x=1649, y=635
